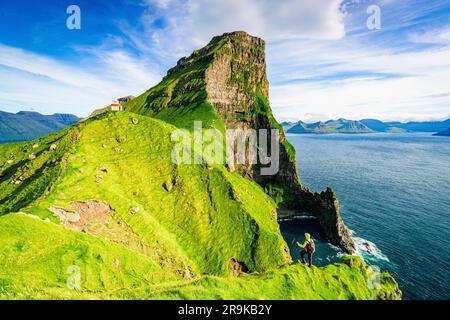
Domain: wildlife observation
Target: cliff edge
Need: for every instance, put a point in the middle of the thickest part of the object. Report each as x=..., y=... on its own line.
x=225, y=86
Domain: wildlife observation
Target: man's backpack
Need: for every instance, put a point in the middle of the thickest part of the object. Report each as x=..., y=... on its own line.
x=310, y=246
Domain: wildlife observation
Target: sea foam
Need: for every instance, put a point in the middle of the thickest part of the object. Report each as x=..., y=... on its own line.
x=367, y=249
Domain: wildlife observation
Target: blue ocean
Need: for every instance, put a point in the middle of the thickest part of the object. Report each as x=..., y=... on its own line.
x=394, y=191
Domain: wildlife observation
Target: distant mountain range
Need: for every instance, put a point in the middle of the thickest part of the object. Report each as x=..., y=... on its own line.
x=26, y=125
x=364, y=126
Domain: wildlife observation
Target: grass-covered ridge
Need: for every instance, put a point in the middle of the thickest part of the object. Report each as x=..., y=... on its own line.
x=224, y=85
x=181, y=97
x=171, y=233
x=208, y=216
x=29, y=169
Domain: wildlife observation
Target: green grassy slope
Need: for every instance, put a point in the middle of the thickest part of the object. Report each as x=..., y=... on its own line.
x=348, y=280
x=28, y=170
x=181, y=97
x=210, y=213
x=36, y=257
x=170, y=225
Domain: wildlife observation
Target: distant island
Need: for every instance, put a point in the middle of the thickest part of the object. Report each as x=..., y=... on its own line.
x=366, y=126
x=28, y=125
x=445, y=133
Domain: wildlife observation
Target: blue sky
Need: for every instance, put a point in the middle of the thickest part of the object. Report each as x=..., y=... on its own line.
x=323, y=61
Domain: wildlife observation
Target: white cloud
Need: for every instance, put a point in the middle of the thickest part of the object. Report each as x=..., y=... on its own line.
x=419, y=91
x=316, y=71
x=27, y=91
x=306, y=42
x=439, y=36
x=192, y=23
x=48, y=85
x=105, y=72
x=159, y=3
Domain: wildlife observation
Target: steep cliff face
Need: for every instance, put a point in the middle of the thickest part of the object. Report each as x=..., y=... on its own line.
x=225, y=86
x=237, y=87
x=325, y=207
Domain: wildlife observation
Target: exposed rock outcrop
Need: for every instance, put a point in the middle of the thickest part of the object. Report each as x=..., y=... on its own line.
x=326, y=209
x=84, y=214
x=237, y=86
x=237, y=267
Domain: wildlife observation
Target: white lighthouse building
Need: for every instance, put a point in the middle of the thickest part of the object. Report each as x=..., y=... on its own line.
x=116, y=106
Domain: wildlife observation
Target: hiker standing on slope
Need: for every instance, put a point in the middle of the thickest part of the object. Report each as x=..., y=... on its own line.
x=309, y=248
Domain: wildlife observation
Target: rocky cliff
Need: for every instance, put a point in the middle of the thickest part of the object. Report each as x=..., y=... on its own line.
x=225, y=86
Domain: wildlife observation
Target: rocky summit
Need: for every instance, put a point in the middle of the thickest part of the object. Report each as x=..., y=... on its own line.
x=100, y=210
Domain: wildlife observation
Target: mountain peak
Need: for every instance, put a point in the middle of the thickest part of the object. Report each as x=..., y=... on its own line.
x=238, y=35
x=28, y=113
x=226, y=79
x=247, y=43
x=224, y=85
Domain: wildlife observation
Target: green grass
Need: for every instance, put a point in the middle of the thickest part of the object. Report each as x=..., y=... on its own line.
x=36, y=258
x=208, y=217
x=35, y=164
x=220, y=227
x=182, y=96
x=297, y=281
